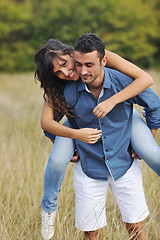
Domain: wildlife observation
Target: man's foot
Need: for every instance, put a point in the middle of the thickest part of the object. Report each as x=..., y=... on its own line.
x=48, y=220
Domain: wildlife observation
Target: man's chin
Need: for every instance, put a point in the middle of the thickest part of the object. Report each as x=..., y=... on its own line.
x=85, y=79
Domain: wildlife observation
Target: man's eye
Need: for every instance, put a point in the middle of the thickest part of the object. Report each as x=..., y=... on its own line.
x=78, y=64
x=89, y=65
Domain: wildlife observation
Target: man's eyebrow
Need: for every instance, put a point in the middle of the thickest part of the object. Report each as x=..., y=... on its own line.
x=85, y=62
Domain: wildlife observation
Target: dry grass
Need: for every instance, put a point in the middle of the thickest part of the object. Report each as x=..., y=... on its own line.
x=23, y=154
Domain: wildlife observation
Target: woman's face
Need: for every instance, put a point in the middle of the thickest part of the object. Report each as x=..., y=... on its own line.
x=64, y=68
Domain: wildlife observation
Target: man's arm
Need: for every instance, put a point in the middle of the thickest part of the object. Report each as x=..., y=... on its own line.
x=151, y=103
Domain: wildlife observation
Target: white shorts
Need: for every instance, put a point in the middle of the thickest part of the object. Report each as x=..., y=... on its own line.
x=90, y=198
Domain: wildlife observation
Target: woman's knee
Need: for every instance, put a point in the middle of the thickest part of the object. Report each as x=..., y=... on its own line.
x=56, y=162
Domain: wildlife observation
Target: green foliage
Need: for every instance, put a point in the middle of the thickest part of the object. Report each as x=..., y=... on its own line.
x=129, y=28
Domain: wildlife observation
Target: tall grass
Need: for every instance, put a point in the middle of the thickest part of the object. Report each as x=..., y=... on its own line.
x=23, y=155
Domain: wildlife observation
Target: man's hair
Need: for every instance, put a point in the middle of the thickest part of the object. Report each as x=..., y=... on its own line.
x=89, y=42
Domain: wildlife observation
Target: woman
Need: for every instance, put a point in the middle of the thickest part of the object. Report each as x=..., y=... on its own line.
x=54, y=62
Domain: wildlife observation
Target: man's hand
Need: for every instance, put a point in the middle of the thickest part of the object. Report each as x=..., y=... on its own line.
x=75, y=157
x=103, y=108
x=134, y=155
x=153, y=131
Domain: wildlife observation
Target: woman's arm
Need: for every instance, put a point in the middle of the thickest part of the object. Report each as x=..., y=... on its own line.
x=142, y=81
x=48, y=124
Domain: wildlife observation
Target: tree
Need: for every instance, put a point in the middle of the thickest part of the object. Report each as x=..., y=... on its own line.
x=129, y=28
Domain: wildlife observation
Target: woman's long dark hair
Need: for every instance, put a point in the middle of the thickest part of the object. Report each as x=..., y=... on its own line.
x=52, y=85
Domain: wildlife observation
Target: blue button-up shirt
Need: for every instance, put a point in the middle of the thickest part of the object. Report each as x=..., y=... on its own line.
x=111, y=153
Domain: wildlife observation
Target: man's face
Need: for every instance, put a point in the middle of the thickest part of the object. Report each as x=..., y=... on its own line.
x=89, y=66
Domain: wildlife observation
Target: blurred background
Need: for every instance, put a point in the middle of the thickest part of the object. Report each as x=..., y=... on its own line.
x=129, y=28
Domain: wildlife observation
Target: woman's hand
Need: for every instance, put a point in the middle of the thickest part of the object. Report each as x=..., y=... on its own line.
x=104, y=107
x=88, y=135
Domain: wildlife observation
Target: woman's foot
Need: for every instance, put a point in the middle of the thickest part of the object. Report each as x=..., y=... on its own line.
x=48, y=220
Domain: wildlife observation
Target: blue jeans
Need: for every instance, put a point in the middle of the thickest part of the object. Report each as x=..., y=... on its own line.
x=63, y=149
x=144, y=144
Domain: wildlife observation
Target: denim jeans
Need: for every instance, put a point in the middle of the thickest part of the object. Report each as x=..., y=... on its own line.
x=63, y=149
x=144, y=144
x=60, y=156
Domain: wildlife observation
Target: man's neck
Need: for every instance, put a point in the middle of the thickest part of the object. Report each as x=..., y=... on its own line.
x=96, y=86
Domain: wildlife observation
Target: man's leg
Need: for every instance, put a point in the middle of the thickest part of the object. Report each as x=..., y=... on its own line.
x=129, y=194
x=90, y=200
x=93, y=235
x=136, y=231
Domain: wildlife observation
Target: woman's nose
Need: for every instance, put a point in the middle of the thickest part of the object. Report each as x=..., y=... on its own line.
x=66, y=72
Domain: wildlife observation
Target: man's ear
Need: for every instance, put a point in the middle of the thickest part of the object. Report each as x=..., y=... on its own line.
x=104, y=61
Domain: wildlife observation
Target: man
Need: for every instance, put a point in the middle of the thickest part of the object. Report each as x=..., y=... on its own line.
x=109, y=160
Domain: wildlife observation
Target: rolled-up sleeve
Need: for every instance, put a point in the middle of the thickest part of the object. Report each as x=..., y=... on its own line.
x=152, y=118
x=151, y=103
x=49, y=135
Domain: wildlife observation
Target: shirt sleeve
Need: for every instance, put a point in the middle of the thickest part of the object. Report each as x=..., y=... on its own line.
x=57, y=117
x=152, y=118
x=147, y=99
x=49, y=135
x=151, y=103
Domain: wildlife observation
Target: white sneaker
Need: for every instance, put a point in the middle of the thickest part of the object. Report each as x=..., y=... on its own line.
x=48, y=224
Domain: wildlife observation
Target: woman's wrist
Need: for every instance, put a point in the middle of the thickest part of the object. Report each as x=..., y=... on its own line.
x=115, y=99
x=75, y=133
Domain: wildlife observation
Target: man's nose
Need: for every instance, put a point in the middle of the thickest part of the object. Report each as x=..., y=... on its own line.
x=83, y=71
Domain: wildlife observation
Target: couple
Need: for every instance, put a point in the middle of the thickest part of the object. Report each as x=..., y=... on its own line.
x=103, y=141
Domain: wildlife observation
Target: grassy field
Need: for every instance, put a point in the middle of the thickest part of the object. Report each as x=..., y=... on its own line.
x=23, y=155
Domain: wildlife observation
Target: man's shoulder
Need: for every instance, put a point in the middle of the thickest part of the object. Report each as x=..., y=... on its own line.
x=70, y=92
x=117, y=77
x=114, y=73
x=70, y=85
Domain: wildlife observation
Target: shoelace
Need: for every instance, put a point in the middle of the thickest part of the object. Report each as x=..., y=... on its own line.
x=46, y=219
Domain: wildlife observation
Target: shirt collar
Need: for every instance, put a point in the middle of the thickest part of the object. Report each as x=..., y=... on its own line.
x=106, y=84
x=107, y=79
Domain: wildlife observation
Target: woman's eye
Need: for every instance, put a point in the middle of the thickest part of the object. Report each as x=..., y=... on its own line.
x=57, y=73
x=64, y=64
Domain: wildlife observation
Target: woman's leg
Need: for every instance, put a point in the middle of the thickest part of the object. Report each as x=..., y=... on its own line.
x=60, y=156
x=144, y=144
